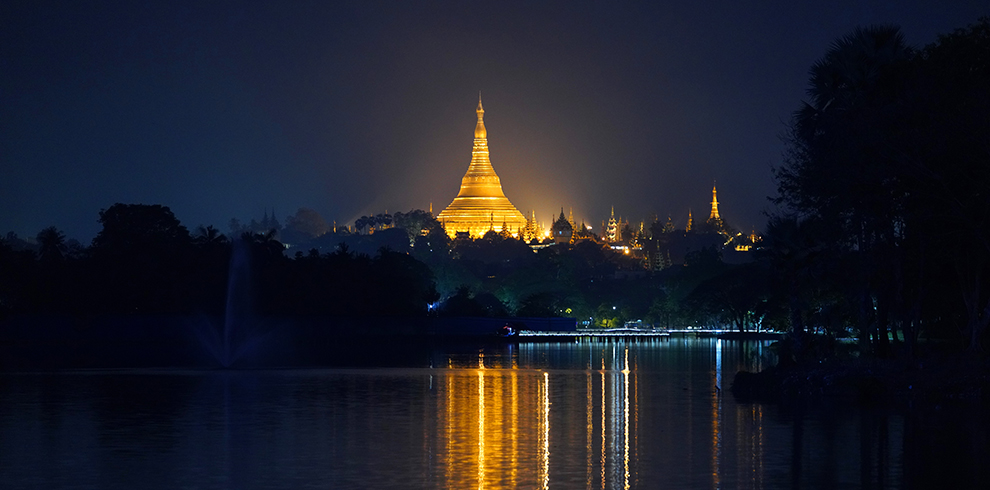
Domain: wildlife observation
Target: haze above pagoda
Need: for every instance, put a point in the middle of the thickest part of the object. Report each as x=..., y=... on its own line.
x=481, y=205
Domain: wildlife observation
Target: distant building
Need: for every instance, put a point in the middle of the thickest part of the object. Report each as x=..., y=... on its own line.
x=612, y=228
x=583, y=232
x=714, y=220
x=561, y=229
x=481, y=205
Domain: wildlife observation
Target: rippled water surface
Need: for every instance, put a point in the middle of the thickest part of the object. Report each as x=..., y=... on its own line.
x=590, y=415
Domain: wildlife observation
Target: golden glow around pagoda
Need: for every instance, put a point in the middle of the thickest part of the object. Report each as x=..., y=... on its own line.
x=481, y=205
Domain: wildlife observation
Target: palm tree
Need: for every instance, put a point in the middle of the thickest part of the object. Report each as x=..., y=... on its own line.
x=268, y=243
x=845, y=165
x=855, y=67
x=208, y=236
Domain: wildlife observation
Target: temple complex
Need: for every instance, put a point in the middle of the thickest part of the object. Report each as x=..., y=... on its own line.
x=481, y=205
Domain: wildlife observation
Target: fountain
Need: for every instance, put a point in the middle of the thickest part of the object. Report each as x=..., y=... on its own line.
x=241, y=331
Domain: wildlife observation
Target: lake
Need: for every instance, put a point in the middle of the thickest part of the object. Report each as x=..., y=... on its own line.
x=602, y=414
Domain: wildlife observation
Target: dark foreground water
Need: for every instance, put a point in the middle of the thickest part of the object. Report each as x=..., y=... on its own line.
x=592, y=415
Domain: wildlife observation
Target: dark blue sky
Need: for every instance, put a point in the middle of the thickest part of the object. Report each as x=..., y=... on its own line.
x=223, y=109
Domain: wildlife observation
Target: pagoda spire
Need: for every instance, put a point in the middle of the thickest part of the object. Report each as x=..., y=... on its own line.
x=480, y=133
x=714, y=214
x=480, y=202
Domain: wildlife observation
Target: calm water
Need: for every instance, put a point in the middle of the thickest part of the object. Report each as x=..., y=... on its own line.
x=592, y=415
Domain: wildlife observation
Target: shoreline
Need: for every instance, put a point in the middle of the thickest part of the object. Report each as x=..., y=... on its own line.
x=932, y=380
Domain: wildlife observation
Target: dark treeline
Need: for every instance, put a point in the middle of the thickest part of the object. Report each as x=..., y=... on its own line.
x=145, y=262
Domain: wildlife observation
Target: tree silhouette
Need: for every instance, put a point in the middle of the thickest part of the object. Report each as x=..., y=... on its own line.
x=51, y=245
x=303, y=226
x=130, y=227
x=142, y=256
x=889, y=156
x=207, y=236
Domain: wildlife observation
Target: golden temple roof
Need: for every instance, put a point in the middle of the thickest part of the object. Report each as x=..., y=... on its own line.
x=481, y=205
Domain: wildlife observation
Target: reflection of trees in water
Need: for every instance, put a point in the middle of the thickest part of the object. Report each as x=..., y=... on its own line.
x=835, y=444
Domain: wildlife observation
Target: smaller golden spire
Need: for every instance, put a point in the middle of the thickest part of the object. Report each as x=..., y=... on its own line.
x=714, y=214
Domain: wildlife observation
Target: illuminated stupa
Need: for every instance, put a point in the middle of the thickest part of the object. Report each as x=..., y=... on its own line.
x=481, y=205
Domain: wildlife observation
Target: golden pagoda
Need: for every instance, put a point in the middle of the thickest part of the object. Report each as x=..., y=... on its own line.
x=481, y=205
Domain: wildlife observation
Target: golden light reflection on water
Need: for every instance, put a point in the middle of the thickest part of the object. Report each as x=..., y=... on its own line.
x=502, y=427
x=481, y=421
x=496, y=425
x=625, y=420
x=603, y=453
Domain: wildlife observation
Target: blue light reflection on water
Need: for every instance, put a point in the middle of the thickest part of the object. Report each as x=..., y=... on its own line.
x=584, y=415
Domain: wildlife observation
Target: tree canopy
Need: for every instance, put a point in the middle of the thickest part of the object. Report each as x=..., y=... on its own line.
x=889, y=160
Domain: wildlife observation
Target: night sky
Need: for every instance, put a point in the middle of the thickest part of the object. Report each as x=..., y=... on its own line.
x=226, y=109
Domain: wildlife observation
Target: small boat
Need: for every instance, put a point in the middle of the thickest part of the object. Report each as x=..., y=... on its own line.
x=507, y=331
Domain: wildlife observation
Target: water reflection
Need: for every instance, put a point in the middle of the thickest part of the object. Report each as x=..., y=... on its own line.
x=495, y=425
x=593, y=415
x=498, y=403
x=717, y=416
x=497, y=418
